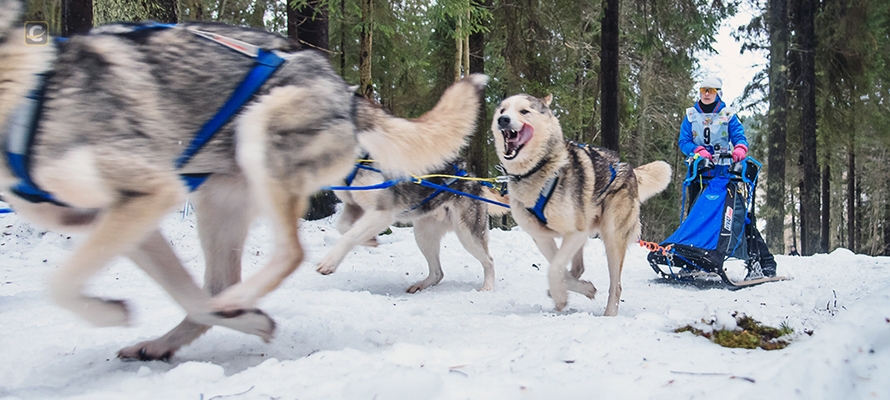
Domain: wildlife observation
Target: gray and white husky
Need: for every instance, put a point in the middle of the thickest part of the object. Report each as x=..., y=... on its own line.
x=121, y=107
x=368, y=212
x=561, y=189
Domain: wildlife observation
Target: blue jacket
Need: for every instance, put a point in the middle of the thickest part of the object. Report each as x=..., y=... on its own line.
x=720, y=128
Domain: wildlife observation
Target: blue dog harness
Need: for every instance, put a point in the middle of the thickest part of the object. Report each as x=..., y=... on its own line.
x=23, y=123
x=550, y=187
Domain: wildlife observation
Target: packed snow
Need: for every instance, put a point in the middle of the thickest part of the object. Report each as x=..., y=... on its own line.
x=356, y=334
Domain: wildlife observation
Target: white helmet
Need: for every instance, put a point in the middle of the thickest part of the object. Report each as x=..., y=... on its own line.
x=713, y=82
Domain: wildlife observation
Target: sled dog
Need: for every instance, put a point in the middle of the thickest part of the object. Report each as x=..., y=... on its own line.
x=561, y=189
x=114, y=146
x=432, y=211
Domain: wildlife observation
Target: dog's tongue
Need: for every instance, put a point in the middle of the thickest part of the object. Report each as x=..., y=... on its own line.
x=522, y=137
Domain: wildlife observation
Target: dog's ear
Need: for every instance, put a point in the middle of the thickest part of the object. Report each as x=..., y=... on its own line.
x=546, y=100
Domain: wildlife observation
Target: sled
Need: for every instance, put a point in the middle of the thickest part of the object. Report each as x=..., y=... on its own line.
x=718, y=229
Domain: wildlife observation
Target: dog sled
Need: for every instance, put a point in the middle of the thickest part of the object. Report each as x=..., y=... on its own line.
x=717, y=241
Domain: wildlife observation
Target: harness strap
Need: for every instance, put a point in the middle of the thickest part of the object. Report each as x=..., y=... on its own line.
x=457, y=171
x=543, y=199
x=382, y=185
x=363, y=163
x=19, y=136
x=267, y=63
x=458, y=192
x=611, y=179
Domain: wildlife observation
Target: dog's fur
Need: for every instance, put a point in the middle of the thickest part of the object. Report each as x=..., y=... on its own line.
x=368, y=212
x=122, y=105
x=586, y=201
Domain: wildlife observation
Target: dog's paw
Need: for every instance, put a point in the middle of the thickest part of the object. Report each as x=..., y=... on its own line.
x=326, y=269
x=104, y=313
x=151, y=350
x=584, y=287
x=234, y=300
x=417, y=287
x=431, y=280
x=486, y=287
x=326, y=266
x=252, y=321
x=560, y=299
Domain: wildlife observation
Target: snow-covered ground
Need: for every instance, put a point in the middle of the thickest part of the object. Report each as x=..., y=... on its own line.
x=356, y=334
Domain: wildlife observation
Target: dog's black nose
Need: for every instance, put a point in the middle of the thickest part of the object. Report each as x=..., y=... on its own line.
x=504, y=121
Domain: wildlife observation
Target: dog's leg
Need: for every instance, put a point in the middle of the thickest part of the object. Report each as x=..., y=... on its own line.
x=351, y=213
x=117, y=231
x=428, y=234
x=578, y=264
x=547, y=246
x=475, y=240
x=288, y=254
x=157, y=259
x=223, y=221
x=370, y=224
x=616, y=249
x=561, y=280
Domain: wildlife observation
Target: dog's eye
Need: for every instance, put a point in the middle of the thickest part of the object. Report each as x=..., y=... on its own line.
x=523, y=112
x=502, y=110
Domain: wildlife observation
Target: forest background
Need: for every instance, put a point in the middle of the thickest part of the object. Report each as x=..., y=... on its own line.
x=622, y=73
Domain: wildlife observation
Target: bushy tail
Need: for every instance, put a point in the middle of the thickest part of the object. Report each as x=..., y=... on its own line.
x=420, y=145
x=494, y=195
x=652, y=178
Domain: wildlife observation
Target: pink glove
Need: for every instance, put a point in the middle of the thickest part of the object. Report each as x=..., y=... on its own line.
x=700, y=150
x=739, y=153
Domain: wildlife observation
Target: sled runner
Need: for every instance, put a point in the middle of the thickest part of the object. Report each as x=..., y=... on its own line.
x=717, y=229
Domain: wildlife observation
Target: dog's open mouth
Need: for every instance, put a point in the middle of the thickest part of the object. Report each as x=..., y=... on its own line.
x=515, y=140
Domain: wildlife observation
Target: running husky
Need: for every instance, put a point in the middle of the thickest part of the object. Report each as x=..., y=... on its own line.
x=561, y=189
x=114, y=149
x=433, y=212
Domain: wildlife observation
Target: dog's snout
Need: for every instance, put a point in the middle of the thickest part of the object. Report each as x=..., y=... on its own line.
x=504, y=121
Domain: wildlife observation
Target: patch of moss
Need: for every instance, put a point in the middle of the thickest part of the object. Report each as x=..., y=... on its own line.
x=750, y=334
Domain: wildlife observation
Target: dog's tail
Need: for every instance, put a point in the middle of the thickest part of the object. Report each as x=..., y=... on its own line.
x=652, y=178
x=420, y=145
x=494, y=195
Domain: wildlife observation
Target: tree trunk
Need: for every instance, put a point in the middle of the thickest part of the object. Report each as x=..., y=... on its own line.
x=196, y=10
x=477, y=156
x=809, y=196
x=166, y=11
x=851, y=199
x=458, y=49
x=793, y=221
x=365, y=49
x=610, y=75
x=778, y=83
x=342, y=38
x=826, y=208
x=77, y=17
x=309, y=24
x=886, y=226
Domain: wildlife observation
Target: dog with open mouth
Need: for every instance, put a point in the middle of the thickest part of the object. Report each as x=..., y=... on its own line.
x=562, y=189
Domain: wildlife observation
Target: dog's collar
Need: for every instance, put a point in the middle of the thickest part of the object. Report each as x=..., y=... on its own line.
x=516, y=178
